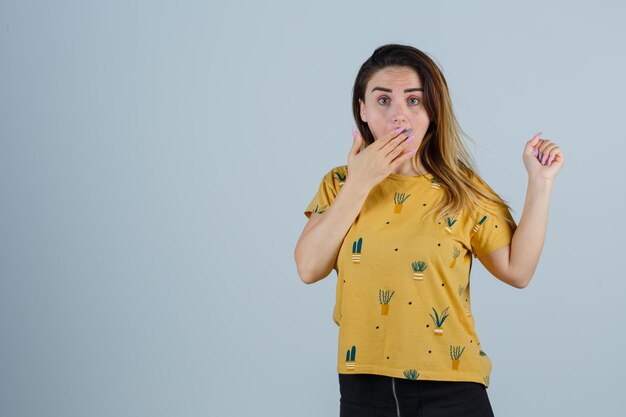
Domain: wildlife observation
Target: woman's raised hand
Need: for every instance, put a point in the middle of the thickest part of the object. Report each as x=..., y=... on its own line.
x=542, y=158
x=373, y=164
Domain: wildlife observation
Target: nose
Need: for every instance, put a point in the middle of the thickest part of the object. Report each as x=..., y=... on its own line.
x=399, y=115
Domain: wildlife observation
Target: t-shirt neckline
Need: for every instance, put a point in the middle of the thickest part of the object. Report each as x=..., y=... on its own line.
x=399, y=177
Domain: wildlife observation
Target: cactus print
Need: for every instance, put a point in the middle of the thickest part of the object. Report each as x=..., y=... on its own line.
x=402, y=285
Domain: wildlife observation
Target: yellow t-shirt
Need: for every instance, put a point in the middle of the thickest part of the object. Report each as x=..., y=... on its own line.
x=403, y=287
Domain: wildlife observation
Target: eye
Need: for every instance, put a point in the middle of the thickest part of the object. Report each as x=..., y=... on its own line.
x=412, y=100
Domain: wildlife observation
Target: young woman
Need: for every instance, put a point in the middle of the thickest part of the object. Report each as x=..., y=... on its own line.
x=400, y=224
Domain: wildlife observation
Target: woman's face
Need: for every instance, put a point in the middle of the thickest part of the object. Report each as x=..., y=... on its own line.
x=394, y=97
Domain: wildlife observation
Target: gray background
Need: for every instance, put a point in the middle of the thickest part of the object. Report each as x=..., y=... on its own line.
x=156, y=159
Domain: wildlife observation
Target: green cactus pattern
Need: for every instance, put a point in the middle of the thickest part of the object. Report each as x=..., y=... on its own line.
x=418, y=267
x=385, y=296
x=456, y=352
x=439, y=320
x=351, y=354
x=357, y=245
x=455, y=254
x=411, y=374
x=319, y=210
x=477, y=225
x=465, y=303
x=356, y=250
x=461, y=289
x=341, y=178
x=399, y=198
x=449, y=224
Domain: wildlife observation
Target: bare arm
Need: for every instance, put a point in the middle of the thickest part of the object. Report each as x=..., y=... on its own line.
x=321, y=239
x=516, y=263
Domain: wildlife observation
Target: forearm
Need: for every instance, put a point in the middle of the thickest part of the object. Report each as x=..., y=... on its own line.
x=319, y=246
x=528, y=239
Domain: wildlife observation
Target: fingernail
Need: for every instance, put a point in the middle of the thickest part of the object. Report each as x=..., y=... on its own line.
x=400, y=129
x=409, y=139
x=408, y=132
x=551, y=159
x=535, y=151
x=543, y=159
x=412, y=152
x=539, y=134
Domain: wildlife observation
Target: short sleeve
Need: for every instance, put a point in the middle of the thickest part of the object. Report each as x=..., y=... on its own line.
x=491, y=231
x=328, y=190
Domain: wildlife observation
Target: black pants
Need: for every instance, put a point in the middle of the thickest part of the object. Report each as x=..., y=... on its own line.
x=367, y=395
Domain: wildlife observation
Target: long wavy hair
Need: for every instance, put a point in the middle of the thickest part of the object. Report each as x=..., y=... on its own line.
x=442, y=152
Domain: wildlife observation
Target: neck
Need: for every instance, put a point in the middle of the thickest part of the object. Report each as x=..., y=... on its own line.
x=407, y=169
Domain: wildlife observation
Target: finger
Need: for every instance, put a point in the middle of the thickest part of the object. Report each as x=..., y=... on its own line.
x=400, y=145
x=356, y=141
x=533, y=142
x=400, y=159
x=395, y=144
x=545, y=151
x=553, y=154
x=556, y=156
x=532, y=145
x=536, y=150
x=557, y=159
x=393, y=134
x=544, y=145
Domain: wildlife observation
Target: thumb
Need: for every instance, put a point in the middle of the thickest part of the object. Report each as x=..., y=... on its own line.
x=532, y=143
x=356, y=142
x=534, y=140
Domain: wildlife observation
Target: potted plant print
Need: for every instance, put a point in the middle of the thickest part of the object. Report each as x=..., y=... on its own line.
x=399, y=199
x=350, y=358
x=455, y=354
x=411, y=374
x=477, y=225
x=384, y=297
x=418, y=269
x=455, y=255
x=356, y=250
x=439, y=321
x=341, y=178
x=449, y=224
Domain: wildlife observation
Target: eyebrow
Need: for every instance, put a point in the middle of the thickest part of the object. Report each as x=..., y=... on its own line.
x=408, y=90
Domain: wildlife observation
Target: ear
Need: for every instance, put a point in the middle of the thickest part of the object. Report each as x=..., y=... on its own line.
x=362, y=110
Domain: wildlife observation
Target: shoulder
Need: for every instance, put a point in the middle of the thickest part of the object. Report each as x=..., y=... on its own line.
x=336, y=175
x=481, y=184
x=494, y=203
x=339, y=170
x=476, y=179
